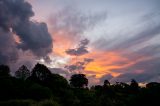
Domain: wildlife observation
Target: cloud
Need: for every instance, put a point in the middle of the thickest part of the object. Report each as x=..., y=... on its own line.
x=60, y=71
x=34, y=37
x=15, y=21
x=14, y=11
x=79, y=66
x=139, y=46
x=143, y=71
x=8, y=50
x=130, y=40
x=80, y=50
x=140, y=38
x=74, y=21
x=88, y=60
x=68, y=26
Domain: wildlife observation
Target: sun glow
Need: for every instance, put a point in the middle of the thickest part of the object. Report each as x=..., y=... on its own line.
x=107, y=62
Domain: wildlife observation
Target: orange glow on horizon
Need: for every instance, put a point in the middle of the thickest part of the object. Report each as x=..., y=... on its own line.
x=106, y=62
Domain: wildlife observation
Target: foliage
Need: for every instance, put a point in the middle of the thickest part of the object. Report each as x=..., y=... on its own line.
x=40, y=72
x=38, y=92
x=78, y=80
x=22, y=72
x=43, y=88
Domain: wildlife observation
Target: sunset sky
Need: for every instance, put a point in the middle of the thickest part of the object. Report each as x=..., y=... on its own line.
x=118, y=40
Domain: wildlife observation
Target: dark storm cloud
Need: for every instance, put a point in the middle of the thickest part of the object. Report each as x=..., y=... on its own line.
x=12, y=12
x=8, y=51
x=35, y=37
x=80, y=50
x=15, y=19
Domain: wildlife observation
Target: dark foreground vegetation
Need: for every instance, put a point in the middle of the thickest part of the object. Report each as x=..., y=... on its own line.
x=40, y=87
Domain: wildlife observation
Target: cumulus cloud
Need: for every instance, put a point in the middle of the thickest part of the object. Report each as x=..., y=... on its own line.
x=35, y=37
x=8, y=50
x=15, y=20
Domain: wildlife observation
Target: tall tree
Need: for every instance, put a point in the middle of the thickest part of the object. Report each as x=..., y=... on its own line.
x=40, y=72
x=106, y=83
x=22, y=73
x=134, y=83
x=78, y=81
x=134, y=86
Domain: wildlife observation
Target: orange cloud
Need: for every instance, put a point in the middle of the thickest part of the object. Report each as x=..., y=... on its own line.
x=106, y=62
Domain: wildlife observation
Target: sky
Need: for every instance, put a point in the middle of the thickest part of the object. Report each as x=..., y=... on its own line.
x=117, y=40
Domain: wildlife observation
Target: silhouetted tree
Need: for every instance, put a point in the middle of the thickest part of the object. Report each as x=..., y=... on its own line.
x=134, y=83
x=22, y=72
x=134, y=86
x=78, y=80
x=106, y=83
x=4, y=71
x=45, y=85
x=56, y=83
x=40, y=72
x=153, y=85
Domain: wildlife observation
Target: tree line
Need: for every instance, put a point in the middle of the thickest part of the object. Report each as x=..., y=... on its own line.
x=40, y=87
